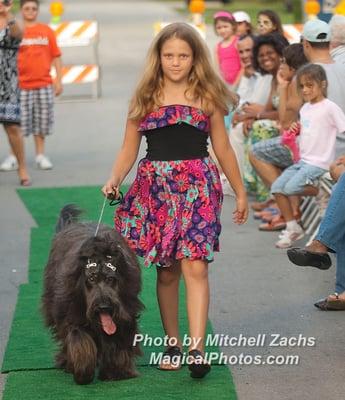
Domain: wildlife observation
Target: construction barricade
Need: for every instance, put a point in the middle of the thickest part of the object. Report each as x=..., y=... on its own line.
x=79, y=34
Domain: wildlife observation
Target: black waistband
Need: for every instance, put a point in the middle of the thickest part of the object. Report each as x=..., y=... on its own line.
x=176, y=142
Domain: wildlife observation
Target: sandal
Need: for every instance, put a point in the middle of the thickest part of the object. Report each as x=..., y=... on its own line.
x=276, y=224
x=171, y=358
x=198, y=368
x=328, y=304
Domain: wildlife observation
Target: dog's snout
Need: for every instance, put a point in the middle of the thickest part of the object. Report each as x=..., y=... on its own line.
x=105, y=308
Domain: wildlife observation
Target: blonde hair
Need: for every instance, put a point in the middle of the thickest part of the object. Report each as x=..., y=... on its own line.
x=203, y=83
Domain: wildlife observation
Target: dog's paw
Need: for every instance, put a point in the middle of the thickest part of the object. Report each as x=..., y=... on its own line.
x=83, y=378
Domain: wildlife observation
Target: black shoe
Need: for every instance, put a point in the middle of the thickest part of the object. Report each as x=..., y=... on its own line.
x=198, y=368
x=307, y=258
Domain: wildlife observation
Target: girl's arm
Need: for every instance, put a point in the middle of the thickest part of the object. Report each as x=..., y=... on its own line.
x=228, y=162
x=124, y=160
x=289, y=104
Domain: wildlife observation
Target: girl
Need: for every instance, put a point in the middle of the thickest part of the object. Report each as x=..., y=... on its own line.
x=227, y=56
x=170, y=215
x=244, y=26
x=269, y=22
x=320, y=120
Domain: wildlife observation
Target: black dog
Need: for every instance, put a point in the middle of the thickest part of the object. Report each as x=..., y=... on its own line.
x=90, y=300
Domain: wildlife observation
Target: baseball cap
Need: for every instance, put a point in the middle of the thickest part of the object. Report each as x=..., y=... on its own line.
x=316, y=31
x=241, y=16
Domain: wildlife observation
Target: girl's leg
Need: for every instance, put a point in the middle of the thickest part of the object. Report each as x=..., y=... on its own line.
x=284, y=205
x=15, y=139
x=195, y=274
x=168, y=279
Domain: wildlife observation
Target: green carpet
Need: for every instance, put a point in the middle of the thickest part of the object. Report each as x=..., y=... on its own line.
x=29, y=357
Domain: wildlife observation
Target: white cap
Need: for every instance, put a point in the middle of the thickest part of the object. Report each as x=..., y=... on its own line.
x=316, y=31
x=241, y=16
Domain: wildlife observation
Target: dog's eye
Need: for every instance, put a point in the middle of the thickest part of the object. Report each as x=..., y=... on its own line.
x=109, y=279
x=92, y=278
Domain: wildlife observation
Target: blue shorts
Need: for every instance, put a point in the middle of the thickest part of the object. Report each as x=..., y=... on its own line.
x=294, y=179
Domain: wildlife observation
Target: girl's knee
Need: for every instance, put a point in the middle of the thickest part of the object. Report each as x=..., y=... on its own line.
x=166, y=276
x=196, y=270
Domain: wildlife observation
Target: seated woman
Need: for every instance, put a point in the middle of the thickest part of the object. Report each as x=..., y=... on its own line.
x=260, y=122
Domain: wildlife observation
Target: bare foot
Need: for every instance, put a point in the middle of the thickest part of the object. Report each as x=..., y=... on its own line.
x=24, y=177
x=317, y=247
x=335, y=296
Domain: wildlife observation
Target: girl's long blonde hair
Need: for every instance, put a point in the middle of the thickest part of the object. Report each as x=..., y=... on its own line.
x=204, y=84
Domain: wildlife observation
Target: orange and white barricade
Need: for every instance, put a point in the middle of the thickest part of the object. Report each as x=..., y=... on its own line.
x=80, y=34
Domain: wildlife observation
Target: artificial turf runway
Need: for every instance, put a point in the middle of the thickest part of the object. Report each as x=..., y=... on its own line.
x=29, y=357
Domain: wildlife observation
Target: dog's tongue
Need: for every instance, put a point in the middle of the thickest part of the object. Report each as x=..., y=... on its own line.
x=108, y=324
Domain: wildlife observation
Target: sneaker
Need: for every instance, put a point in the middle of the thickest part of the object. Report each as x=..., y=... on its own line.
x=43, y=162
x=9, y=164
x=287, y=238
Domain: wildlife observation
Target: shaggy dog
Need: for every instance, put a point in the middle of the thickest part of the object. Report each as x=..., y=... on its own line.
x=90, y=300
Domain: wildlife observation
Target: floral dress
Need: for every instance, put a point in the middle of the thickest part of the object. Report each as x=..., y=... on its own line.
x=9, y=90
x=172, y=209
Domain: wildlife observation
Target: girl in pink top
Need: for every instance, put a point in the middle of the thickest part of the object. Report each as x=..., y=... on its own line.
x=227, y=55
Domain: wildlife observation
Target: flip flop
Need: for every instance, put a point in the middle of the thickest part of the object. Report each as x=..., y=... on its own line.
x=328, y=304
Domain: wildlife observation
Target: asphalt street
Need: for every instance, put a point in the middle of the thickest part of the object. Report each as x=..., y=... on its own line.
x=254, y=289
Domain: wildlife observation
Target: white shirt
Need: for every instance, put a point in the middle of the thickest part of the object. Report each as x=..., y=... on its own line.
x=320, y=123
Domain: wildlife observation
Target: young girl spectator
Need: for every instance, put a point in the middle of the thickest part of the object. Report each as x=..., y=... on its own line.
x=320, y=120
x=170, y=215
x=269, y=22
x=227, y=57
x=244, y=26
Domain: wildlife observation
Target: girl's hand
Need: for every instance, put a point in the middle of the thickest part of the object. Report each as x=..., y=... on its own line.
x=111, y=189
x=240, y=215
x=282, y=82
x=253, y=108
x=247, y=126
x=294, y=128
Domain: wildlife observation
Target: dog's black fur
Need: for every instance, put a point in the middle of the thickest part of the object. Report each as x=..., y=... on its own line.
x=91, y=288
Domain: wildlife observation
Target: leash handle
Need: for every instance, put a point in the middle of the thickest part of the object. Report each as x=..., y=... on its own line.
x=115, y=202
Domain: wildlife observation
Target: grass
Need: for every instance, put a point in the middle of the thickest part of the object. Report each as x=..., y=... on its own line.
x=252, y=7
